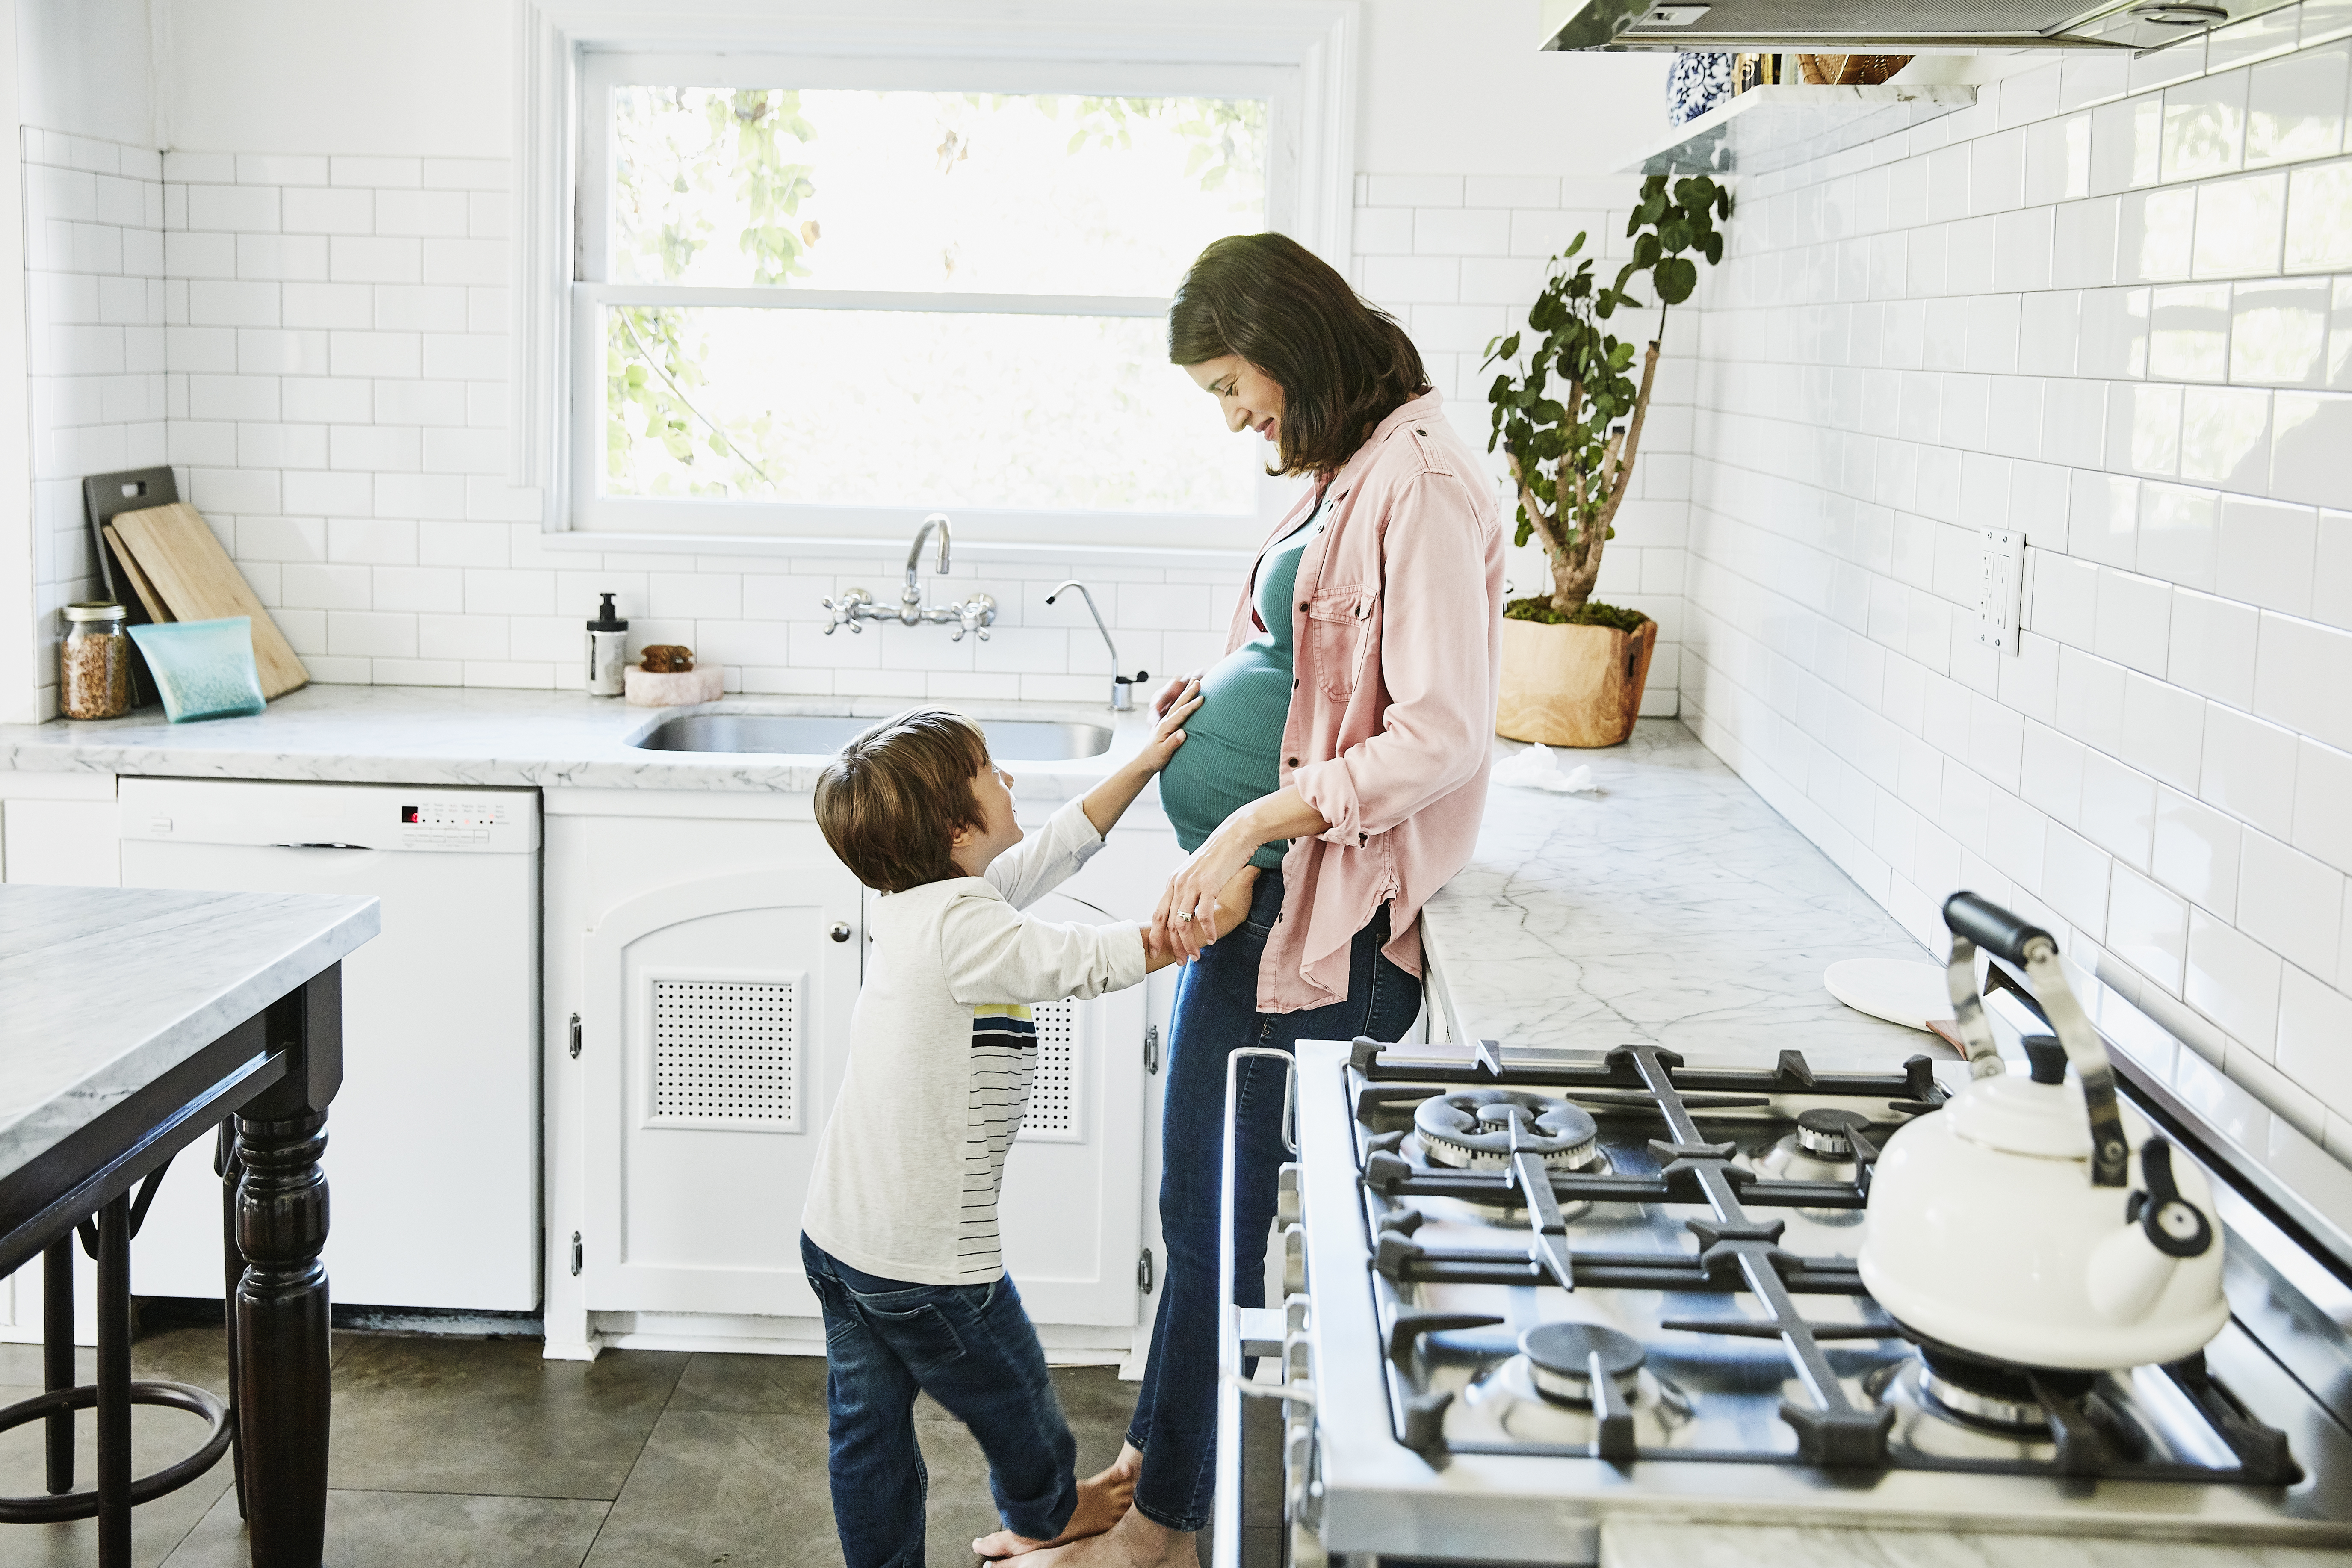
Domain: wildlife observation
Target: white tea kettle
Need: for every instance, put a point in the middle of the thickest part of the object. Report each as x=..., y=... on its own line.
x=2033, y=1219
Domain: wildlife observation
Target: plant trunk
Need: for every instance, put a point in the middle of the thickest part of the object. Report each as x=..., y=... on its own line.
x=1576, y=560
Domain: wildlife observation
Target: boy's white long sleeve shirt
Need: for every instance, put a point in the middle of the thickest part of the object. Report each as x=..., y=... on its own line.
x=941, y=1049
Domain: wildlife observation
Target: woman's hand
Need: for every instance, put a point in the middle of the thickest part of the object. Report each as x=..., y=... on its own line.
x=1194, y=890
x=1233, y=907
x=1188, y=908
x=1156, y=752
x=1175, y=689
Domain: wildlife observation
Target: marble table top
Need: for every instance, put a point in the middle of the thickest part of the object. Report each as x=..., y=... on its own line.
x=424, y=734
x=108, y=988
x=1674, y=908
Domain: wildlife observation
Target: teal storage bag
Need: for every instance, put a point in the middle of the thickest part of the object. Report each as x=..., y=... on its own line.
x=202, y=669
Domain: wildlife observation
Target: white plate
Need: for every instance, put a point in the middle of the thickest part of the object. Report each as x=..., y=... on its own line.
x=1897, y=989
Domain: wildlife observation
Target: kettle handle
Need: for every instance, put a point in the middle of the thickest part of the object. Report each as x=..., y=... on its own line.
x=1973, y=922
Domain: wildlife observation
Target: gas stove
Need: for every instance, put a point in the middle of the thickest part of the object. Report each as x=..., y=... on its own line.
x=1531, y=1291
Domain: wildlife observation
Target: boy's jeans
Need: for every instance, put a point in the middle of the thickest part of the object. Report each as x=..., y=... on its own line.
x=971, y=1348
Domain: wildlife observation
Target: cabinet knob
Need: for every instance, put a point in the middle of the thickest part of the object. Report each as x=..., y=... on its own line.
x=840, y=931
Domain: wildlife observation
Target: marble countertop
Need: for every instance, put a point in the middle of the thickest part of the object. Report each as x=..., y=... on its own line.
x=420, y=734
x=108, y=988
x=1674, y=908
x=1641, y=1545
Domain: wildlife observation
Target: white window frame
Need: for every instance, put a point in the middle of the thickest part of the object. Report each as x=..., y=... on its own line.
x=1297, y=55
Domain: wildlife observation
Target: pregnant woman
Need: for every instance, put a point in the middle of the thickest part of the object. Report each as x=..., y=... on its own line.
x=1343, y=746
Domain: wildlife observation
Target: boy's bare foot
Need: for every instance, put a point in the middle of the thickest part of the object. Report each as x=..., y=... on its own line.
x=1134, y=1542
x=1102, y=1499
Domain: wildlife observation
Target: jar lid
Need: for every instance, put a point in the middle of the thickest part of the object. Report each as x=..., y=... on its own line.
x=94, y=612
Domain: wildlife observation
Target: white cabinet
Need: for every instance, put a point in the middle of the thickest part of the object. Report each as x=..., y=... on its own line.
x=694, y=937
x=713, y=1019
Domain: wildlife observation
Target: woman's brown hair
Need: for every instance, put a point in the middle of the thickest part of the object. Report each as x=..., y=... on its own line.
x=1343, y=364
x=891, y=802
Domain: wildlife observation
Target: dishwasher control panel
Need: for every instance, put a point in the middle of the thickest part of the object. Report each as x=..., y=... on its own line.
x=430, y=817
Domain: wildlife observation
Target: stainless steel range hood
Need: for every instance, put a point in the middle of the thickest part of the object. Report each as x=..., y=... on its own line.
x=1902, y=26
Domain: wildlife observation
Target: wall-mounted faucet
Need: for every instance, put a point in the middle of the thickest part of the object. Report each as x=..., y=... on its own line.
x=1122, y=687
x=855, y=606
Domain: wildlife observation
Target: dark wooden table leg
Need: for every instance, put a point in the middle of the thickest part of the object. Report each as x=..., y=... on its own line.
x=282, y=1392
x=230, y=1172
x=114, y=1383
x=57, y=1356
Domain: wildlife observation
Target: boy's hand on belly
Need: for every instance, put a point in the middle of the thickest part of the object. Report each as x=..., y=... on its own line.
x=1171, y=731
x=1176, y=690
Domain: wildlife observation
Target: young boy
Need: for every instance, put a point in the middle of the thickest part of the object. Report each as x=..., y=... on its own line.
x=899, y=1236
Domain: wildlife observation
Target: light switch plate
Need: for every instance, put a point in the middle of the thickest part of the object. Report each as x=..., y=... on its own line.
x=2000, y=592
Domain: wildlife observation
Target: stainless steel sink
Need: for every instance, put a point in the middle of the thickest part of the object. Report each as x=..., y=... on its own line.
x=804, y=734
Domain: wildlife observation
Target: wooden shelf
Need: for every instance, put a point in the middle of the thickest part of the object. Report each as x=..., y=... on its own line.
x=1769, y=128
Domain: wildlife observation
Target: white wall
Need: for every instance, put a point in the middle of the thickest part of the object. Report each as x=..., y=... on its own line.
x=2111, y=305
x=1458, y=87
x=420, y=79
x=88, y=69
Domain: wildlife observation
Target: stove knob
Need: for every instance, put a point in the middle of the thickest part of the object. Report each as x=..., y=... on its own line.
x=1286, y=1196
x=1294, y=1260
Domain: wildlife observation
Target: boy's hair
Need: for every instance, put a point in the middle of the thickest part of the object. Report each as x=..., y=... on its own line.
x=890, y=803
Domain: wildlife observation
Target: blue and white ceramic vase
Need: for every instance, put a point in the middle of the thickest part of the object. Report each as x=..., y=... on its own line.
x=1700, y=81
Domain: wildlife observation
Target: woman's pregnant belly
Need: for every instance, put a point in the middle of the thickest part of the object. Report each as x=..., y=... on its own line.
x=1232, y=750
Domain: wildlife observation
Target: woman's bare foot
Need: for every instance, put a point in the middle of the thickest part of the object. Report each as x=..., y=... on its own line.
x=1102, y=1499
x=1134, y=1542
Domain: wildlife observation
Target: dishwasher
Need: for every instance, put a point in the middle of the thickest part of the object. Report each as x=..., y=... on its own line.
x=432, y=1156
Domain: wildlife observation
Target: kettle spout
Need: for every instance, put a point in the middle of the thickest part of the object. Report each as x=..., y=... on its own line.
x=2129, y=1270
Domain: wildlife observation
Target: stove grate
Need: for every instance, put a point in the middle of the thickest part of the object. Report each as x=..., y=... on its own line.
x=1736, y=1253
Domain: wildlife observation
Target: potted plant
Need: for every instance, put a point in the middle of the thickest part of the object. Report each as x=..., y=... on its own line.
x=1569, y=416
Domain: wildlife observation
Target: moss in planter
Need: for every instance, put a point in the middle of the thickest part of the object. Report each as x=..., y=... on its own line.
x=1592, y=613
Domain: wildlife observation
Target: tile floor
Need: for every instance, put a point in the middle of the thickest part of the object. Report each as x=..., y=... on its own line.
x=462, y=1453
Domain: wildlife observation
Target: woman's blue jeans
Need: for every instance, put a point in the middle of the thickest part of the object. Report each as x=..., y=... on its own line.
x=1175, y=1421
x=971, y=1348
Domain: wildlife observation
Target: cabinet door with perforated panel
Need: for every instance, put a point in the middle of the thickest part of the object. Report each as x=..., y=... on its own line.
x=1071, y=1213
x=716, y=1012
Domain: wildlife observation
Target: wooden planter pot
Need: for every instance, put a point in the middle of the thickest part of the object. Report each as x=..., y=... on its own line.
x=1572, y=686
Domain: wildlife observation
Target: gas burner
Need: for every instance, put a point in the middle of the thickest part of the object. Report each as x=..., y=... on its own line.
x=1471, y=1128
x=1996, y=1396
x=1820, y=1149
x=1559, y=1356
x=1822, y=1132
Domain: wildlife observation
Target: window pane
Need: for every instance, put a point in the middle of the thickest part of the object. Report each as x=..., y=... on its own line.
x=892, y=409
x=976, y=193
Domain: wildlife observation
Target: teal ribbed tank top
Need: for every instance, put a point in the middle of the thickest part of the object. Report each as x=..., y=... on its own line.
x=1232, y=752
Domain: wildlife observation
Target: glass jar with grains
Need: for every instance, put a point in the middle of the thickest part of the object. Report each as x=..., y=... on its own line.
x=94, y=673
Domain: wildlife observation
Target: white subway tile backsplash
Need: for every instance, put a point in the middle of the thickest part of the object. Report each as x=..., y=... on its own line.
x=2297, y=107
x=2323, y=804
x=2291, y=903
x=2315, y=1036
x=2319, y=217
x=2231, y=979
x=2196, y=852
x=2249, y=770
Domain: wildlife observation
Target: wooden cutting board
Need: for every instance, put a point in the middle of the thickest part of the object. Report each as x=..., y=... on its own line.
x=183, y=562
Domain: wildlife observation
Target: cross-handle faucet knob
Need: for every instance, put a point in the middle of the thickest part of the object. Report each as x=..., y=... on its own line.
x=975, y=615
x=845, y=610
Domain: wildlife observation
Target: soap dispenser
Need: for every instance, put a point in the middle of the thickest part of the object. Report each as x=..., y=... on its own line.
x=608, y=637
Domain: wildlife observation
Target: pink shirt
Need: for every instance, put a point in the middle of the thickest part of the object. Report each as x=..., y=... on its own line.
x=1398, y=633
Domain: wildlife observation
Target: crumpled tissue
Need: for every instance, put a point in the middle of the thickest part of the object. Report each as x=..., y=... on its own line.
x=1537, y=767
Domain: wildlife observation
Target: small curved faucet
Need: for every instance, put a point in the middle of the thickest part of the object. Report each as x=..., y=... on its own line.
x=910, y=595
x=1122, y=687
x=854, y=606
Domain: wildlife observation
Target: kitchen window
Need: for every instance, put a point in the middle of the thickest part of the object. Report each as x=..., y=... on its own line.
x=816, y=297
